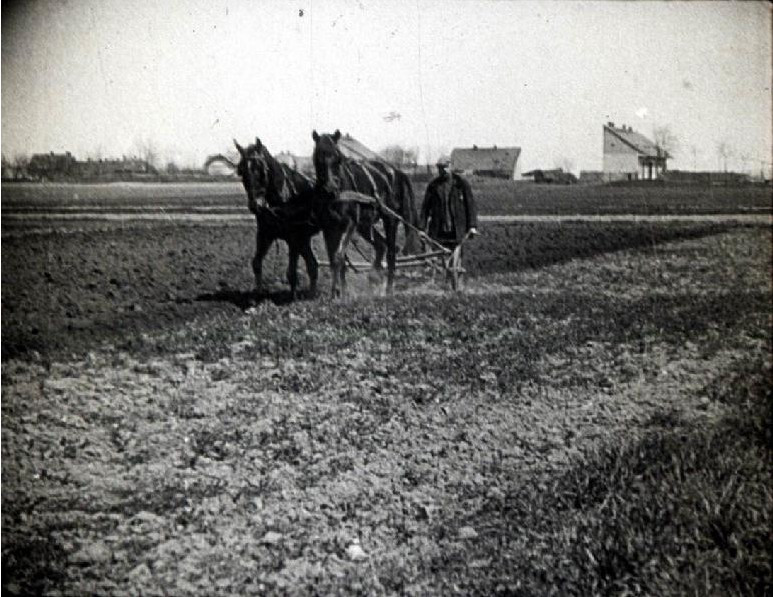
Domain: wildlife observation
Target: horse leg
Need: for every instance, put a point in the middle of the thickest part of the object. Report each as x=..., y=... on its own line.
x=262, y=245
x=379, y=247
x=390, y=227
x=312, y=267
x=343, y=245
x=332, y=239
x=292, y=267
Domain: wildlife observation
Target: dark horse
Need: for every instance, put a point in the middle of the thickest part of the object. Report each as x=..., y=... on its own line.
x=339, y=218
x=281, y=199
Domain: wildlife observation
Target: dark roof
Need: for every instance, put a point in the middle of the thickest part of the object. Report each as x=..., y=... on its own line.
x=635, y=140
x=556, y=175
x=502, y=159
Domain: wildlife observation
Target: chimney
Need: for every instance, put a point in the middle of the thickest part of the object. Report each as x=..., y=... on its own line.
x=611, y=124
x=475, y=148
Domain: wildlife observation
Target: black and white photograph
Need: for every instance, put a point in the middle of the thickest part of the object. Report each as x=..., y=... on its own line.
x=371, y=297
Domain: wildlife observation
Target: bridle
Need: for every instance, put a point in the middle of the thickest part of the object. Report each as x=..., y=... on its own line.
x=267, y=188
x=254, y=173
x=332, y=181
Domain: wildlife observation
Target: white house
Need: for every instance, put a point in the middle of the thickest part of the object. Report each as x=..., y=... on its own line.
x=629, y=155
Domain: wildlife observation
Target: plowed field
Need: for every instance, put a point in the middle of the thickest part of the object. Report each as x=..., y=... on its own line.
x=590, y=415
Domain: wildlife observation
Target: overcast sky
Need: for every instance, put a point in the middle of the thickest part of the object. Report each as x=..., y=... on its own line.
x=101, y=77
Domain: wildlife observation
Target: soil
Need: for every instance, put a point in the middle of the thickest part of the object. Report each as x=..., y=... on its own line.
x=68, y=288
x=166, y=431
x=379, y=446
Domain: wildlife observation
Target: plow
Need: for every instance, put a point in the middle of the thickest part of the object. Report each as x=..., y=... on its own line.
x=438, y=259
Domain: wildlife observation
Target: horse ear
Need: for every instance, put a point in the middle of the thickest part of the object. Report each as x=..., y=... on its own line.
x=315, y=135
x=258, y=144
x=336, y=135
x=239, y=147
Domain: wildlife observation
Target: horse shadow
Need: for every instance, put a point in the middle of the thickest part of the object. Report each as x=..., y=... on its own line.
x=247, y=299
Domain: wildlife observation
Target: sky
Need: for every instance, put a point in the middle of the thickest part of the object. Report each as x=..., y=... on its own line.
x=105, y=78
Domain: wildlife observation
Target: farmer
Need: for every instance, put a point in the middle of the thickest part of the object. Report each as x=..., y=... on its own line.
x=449, y=212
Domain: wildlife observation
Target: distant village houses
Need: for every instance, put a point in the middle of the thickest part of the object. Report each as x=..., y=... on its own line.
x=64, y=166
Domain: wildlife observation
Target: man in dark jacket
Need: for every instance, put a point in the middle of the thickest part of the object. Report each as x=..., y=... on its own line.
x=449, y=212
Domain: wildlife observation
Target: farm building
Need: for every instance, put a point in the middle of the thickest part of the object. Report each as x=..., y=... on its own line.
x=220, y=165
x=498, y=162
x=629, y=155
x=52, y=165
x=111, y=167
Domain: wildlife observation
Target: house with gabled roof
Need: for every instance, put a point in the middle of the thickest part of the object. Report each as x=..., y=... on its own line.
x=498, y=162
x=629, y=155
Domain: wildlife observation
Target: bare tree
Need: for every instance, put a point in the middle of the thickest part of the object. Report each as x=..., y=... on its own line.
x=20, y=163
x=666, y=142
x=744, y=159
x=694, y=152
x=147, y=152
x=724, y=152
x=8, y=169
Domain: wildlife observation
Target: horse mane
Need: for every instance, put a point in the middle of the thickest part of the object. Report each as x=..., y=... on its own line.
x=296, y=177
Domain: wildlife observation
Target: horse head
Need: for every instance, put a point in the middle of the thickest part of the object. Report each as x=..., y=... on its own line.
x=328, y=161
x=258, y=174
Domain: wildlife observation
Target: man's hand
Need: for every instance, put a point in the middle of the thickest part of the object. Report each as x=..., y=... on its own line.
x=473, y=232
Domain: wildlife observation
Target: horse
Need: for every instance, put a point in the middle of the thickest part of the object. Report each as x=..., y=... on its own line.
x=281, y=199
x=388, y=186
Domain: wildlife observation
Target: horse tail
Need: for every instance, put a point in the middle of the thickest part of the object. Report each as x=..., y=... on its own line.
x=409, y=212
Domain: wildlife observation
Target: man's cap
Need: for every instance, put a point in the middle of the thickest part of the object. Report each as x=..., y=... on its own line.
x=443, y=163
